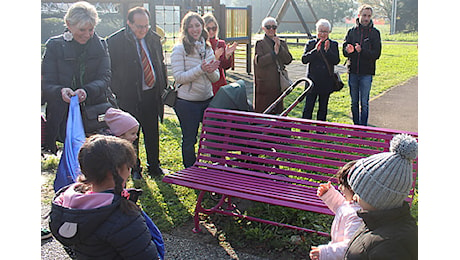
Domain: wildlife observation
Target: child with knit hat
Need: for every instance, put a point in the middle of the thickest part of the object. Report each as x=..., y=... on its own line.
x=346, y=221
x=381, y=184
x=125, y=126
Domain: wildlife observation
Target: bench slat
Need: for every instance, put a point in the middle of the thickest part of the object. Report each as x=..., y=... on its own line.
x=226, y=185
x=271, y=137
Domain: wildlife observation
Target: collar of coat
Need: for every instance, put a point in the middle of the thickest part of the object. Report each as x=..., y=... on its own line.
x=151, y=35
x=378, y=218
x=371, y=24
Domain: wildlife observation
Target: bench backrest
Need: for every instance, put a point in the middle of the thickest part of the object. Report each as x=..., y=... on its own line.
x=305, y=152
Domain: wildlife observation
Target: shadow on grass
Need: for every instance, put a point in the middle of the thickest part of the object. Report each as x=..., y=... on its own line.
x=168, y=205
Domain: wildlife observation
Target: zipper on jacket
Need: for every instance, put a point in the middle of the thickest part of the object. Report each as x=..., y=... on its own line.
x=359, y=53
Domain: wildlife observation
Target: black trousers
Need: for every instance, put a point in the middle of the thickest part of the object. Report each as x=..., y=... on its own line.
x=148, y=120
x=310, y=101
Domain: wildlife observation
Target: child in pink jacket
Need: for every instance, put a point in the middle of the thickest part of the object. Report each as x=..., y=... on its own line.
x=346, y=221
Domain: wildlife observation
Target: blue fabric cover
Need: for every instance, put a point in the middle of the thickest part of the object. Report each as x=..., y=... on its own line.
x=69, y=168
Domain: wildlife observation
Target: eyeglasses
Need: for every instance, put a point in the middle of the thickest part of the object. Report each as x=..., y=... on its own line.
x=211, y=28
x=142, y=27
x=323, y=31
x=271, y=27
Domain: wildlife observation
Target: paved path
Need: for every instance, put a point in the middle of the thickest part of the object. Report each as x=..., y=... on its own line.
x=396, y=108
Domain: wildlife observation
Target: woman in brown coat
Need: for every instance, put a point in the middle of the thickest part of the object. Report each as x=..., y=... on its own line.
x=266, y=75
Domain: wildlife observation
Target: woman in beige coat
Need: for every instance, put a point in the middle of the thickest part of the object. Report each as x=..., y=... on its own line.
x=266, y=76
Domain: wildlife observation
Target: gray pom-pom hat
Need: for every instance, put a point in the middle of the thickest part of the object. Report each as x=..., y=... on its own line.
x=384, y=180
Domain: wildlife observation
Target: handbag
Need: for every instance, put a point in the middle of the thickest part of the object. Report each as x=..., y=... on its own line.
x=338, y=83
x=93, y=116
x=285, y=82
x=169, y=95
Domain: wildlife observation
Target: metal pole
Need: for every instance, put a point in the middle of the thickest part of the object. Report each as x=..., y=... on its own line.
x=394, y=16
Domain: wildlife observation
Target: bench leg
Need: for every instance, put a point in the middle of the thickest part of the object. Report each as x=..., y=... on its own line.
x=217, y=208
x=198, y=209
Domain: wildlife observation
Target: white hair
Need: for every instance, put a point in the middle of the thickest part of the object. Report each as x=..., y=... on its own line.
x=81, y=13
x=269, y=19
x=323, y=23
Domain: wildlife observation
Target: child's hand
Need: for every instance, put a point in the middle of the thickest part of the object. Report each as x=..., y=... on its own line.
x=323, y=188
x=314, y=252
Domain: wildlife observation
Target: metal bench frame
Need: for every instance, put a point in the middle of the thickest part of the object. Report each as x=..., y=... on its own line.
x=274, y=159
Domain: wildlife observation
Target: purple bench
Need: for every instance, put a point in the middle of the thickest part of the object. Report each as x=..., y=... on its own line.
x=274, y=159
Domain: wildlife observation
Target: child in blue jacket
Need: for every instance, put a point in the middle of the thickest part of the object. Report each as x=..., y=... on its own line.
x=94, y=216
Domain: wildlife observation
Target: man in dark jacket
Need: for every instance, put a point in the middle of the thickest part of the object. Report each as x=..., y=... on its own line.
x=362, y=47
x=139, y=77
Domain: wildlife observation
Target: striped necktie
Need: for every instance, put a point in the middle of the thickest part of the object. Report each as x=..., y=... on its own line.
x=149, y=77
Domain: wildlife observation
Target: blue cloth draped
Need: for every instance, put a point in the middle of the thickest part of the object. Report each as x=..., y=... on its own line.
x=69, y=168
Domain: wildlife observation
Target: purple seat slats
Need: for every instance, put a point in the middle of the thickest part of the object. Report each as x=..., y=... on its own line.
x=275, y=160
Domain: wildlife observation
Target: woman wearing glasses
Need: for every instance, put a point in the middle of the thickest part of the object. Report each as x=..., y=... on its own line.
x=222, y=52
x=268, y=52
x=317, y=51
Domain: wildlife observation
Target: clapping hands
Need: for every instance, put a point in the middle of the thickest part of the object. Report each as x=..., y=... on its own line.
x=327, y=45
x=277, y=41
x=229, y=50
x=210, y=66
x=350, y=48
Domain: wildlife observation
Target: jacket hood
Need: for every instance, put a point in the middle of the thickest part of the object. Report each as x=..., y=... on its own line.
x=75, y=216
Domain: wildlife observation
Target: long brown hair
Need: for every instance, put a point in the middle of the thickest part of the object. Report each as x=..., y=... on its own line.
x=187, y=40
x=100, y=155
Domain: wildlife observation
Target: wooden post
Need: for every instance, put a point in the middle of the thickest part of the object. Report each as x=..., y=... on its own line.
x=248, y=45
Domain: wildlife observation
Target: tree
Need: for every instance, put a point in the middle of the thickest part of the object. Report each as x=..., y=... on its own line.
x=333, y=10
x=380, y=8
x=407, y=12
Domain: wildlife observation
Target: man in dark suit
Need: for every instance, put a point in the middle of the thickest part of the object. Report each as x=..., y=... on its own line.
x=139, y=77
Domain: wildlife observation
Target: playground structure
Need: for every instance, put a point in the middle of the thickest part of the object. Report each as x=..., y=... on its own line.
x=282, y=11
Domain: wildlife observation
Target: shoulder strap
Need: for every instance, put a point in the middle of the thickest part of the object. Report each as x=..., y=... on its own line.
x=331, y=73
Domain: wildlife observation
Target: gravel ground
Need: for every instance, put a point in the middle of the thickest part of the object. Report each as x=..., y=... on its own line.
x=176, y=247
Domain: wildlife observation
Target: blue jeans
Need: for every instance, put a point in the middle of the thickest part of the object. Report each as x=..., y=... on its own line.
x=360, y=88
x=190, y=114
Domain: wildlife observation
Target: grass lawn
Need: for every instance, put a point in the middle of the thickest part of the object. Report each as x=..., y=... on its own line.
x=171, y=206
x=397, y=64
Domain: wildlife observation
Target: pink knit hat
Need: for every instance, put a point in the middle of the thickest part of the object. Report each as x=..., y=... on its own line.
x=119, y=121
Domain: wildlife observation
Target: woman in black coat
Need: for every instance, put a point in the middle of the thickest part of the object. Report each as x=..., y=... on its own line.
x=316, y=51
x=75, y=63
